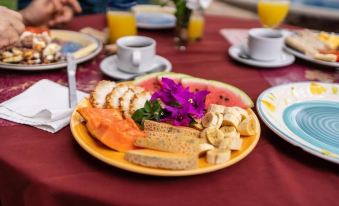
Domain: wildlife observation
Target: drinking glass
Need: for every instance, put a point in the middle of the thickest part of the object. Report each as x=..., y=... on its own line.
x=196, y=26
x=121, y=22
x=272, y=12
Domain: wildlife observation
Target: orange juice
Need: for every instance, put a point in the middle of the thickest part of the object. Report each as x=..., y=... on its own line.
x=196, y=27
x=120, y=24
x=272, y=13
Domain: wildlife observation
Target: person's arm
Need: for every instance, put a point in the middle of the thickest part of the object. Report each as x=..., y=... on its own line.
x=11, y=27
x=49, y=12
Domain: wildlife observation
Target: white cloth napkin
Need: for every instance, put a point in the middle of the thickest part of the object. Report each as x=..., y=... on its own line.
x=44, y=105
x=235, y=36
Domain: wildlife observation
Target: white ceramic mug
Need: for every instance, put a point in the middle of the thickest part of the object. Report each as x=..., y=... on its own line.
x=135, y=54
x=265, y=44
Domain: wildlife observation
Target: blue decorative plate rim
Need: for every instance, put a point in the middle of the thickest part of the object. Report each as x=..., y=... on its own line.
x=319, y=153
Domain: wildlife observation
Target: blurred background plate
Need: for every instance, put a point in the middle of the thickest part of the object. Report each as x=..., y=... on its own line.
x=307, y=58
x=155, y=21
x=90, y=48
x=154, y=16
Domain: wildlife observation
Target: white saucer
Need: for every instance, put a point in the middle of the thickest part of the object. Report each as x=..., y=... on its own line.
x=109, y=67
x=237, y=53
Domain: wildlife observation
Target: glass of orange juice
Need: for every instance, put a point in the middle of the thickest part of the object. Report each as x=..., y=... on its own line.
x=121, y=22
x=196, y=26
x=272, y=12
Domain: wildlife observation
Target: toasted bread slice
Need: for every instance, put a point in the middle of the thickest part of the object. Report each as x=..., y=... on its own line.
x=163, y=160
x=167, y=128
x=169, y=143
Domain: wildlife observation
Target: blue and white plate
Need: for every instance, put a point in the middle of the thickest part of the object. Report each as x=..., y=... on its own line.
x=305, y=114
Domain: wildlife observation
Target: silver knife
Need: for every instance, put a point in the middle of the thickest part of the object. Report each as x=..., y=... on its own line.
x=72, y=88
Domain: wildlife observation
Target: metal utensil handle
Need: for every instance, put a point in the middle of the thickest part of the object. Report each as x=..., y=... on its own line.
x=71, y=70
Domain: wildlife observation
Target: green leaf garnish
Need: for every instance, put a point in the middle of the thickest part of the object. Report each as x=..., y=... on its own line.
x=152, y=110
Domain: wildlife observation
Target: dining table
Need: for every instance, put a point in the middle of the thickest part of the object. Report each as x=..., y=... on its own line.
x=51, y=169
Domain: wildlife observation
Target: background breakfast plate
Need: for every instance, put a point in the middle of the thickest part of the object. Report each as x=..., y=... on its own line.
x=303, y=56
x=116, y=159
x=154, y=16
x=91, y=47
x=306, y=115
x=155, y=21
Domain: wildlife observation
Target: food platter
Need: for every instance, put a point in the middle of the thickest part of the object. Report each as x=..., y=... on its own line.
x=304, y=114
x=116, y=159
x=307, y=58
x=312, y=42
x=103, y=137
x=90, y=48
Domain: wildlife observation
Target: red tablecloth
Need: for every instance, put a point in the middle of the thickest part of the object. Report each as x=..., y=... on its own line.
x=39, y=168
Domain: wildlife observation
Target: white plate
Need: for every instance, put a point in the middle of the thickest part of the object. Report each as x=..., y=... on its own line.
x=237, y=53
x=304, y=114
x=91, y=47
x=303, y=56
x=109, y=67
x=155, y=20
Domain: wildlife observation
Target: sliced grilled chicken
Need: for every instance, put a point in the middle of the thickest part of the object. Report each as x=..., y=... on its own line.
x=138, y=101
x=112, y=99
x=98, y=96
x=125, y=101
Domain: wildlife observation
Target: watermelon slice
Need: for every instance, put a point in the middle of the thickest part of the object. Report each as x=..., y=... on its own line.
x=176, y=77
x=148, y=82
x=152, y=81
x=227, y=95
x=195, y=84
x=220, y=93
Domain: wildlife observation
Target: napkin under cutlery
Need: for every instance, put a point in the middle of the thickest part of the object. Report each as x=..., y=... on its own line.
x=44, y=105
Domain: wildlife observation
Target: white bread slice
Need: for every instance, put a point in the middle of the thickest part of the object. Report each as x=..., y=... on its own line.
x=167, y=128
x=163, y=160
x=169, y=143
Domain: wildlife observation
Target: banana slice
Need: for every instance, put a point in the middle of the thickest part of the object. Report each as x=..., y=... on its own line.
x=229, y=131
x=220, y=120
x=223, y=156
x=209, y=120
x=214, y=135
x=241, y=111
x=203, y=136
x=224, y=144
x=215, y=108
x=204, y=147
x=211, y=156
x=231, y=119
x=236, y=143
x=247, y=127
x=198, y=124
x=218, y=157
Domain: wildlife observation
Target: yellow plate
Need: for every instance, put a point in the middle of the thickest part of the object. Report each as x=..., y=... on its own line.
x=116, y=159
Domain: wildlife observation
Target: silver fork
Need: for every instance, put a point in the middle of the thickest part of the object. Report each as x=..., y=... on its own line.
x=72, y=88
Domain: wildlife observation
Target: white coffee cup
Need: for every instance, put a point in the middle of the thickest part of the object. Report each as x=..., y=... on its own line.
x=265, y=44
x=135, y=54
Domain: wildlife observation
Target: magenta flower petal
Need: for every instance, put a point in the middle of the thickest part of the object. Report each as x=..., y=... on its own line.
x=181, y=104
